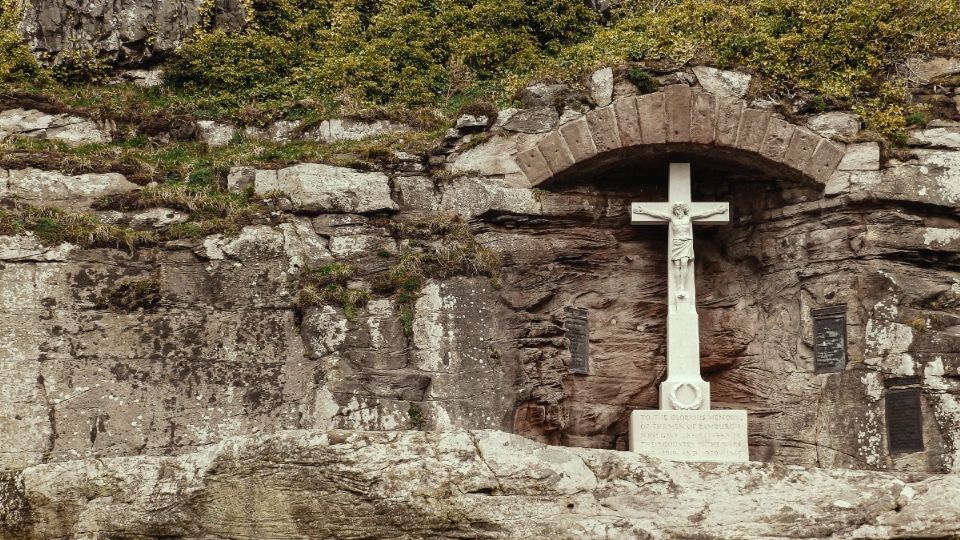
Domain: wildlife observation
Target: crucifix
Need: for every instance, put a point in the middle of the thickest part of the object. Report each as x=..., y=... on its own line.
x=684, y=388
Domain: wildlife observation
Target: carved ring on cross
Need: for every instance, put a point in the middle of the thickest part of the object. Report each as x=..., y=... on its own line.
x=693, y=405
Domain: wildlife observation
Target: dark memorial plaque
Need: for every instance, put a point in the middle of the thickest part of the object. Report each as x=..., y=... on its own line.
x=904, y=420
x=578, y=334
x=830, y=339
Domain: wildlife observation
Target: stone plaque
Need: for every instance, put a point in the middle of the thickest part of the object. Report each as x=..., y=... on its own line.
x=719, y=436
x=904, y=420
x=830, y=339
x=578, y=338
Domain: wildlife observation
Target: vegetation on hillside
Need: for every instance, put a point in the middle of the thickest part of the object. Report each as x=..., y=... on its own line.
x=16, y=62
x=316, y=58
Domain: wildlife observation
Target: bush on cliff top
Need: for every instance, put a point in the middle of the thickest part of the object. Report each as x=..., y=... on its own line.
x=355, y=53
x=367, y=52
x=316, y=58
x=850, y=51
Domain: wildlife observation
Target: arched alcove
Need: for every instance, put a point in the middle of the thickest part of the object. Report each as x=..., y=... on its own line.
x=753, y=281
x=680, y=115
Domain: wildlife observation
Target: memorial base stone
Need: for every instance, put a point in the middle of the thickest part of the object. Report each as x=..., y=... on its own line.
x=718, y=436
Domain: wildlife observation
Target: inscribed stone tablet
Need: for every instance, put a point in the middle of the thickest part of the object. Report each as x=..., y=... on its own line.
x=578, y=336
x=830, y=339
x=904, y=420
x=719, y=436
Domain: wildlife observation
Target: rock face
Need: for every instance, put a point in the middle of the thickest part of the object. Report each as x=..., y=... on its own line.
x=314, y=187
x=835, y=124
x=723, y=83
x=73, y=130
x=225, y=351
x=123, y=33
x=40, y=187
x=459, y=484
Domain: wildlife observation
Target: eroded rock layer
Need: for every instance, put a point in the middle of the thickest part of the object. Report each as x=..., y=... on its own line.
x=459, y=484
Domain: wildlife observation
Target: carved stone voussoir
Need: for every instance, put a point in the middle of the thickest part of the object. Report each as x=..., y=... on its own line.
x=534, y=166
x=703, y=118
x=729, y=111
x=801, y=148
x=653, y=119
x=603, y=127
x=779, y=135
x=753, y=128
x=824, y=161
x=555, y=152
x=628, y=123
x=677, y=99
x=578, y=139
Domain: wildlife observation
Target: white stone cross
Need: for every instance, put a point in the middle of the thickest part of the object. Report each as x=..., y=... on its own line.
x=684, y=388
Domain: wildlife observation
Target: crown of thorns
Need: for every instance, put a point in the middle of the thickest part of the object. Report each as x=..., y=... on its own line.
x=682, y=206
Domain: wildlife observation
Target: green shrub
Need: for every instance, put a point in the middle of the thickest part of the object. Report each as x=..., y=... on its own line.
x=311, y=59
x=16, y=62
x=416, y=417
x=81, y=66
x=645, y=82
x=844, y=50
x=917, y=119
x=359, y=53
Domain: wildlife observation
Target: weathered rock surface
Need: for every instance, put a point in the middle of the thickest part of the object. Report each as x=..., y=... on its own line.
x=332, y=130
x=835, y=123
x=601, y=87
x=313, y=188
x=453, y=484
x=926, y=70
x=73, y=130
x=52, y=187
x=157, y=218
x=121, y=33
x=215, y=133
x=147, y=78
x=544, y=95
x=723, y=83
x=535, y=120
x=347, y=129
x=861, y=157
x=941, y=137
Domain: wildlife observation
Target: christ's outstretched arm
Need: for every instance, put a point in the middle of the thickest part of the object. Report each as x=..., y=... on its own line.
x=639, y=210
x=721, y=209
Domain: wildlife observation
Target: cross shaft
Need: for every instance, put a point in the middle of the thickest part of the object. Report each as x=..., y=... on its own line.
x=683, y=339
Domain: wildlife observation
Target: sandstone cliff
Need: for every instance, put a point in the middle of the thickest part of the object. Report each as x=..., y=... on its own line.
x=459, y=484
x=196, y=336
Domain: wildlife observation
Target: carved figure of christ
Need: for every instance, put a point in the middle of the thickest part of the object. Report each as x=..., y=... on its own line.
x=681, y=213
x=684, y=388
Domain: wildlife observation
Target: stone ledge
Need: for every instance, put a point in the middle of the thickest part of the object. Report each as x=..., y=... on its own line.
x=54, y=188
x=482, y=484
x=66, y=128
x=315, y=187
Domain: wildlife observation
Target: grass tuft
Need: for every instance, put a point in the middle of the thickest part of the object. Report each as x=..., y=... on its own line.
x=327, y=284
x=54, y=226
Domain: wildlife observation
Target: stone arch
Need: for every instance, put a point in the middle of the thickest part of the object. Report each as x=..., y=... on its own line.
x=681, y=115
